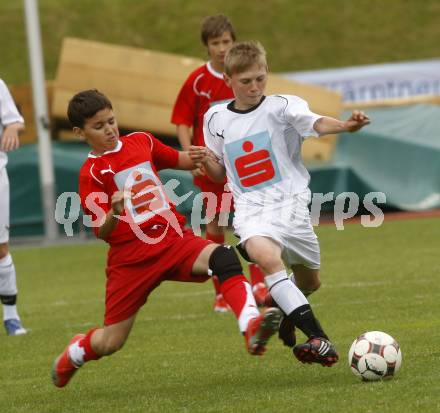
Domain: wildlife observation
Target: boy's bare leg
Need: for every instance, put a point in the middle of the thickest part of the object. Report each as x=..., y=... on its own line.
x=110, y=339
x=8, y=293
x=306, y=279
x=93, y=345
x=318, y=349
x=266, y=253
x=257, y=328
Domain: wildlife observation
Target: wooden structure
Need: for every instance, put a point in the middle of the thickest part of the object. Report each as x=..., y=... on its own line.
x=22, y=95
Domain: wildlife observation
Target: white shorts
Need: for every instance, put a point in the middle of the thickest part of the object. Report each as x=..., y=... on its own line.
x=288, y=223
x=4, y=206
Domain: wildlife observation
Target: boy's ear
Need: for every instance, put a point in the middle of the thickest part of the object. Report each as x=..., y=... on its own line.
x=78, y=132
x=227, y=79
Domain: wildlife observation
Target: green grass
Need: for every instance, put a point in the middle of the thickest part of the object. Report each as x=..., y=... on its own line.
x=181, y=357
x=299, y=35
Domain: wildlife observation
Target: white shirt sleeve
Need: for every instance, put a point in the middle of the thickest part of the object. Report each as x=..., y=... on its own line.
x=298, y=114
x=212, y=140
x=8, y=111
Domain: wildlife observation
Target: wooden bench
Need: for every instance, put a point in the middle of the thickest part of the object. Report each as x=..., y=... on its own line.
x=22, y=95
x=143, y=85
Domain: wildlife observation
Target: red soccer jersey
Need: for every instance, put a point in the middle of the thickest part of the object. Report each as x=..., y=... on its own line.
x=132, y=166
x=204, y=88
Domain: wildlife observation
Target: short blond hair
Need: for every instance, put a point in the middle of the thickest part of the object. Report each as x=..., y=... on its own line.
x=244, y=55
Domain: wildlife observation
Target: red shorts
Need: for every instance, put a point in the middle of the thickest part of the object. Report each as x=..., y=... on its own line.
x=218, y=189
x=135, y=269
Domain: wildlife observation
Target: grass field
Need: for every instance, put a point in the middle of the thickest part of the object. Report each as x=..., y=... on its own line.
x=181, y=357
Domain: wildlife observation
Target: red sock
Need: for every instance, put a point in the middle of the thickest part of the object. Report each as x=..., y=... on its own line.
x=219, y=239
x=236, y=294
x=256, y=274
x=216, y=283
x=89, y=353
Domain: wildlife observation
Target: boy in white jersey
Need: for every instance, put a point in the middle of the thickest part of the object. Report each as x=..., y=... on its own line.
x=11, y=124
x=205, y=87
x=256, y=141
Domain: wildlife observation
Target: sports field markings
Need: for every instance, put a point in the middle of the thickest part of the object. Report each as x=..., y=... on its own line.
x=364, y=284
x=143, y=318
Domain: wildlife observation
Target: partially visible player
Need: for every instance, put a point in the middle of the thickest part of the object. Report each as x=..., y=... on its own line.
x=204, y=88
x=121, y=189
x=257, y=140
x=11, y=124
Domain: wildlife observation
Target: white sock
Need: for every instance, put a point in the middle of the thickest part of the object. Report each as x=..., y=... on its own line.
x=285, y=293
x=249, y=311
x=10, y=311
x=8, y=286
x=76, y=354
x=8, y=283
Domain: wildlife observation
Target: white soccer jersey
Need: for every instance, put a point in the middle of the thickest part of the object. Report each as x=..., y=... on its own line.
x=8, y=114
x=261, y=148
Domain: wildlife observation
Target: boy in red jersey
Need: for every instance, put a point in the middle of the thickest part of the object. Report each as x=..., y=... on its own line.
x=204, y=88
x=121, y=190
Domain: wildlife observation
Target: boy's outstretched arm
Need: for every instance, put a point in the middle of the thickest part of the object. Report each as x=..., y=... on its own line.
x=205, y=157
x=327, y=125
x=184, y=137
x=185, y=162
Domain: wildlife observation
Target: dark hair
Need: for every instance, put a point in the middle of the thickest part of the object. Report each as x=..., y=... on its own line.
x=215, y=26
x=84, y=105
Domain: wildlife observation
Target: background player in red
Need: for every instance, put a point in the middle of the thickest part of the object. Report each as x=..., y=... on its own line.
x=204, y=88
x=121, y=190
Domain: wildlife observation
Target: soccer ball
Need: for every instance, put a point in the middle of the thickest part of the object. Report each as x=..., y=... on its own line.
x=374, y=355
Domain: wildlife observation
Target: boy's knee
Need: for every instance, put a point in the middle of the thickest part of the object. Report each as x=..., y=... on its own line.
x=310, y=286
x=224, y=263
x=269, y=264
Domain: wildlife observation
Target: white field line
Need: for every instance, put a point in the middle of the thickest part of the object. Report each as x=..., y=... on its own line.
x=364, y=284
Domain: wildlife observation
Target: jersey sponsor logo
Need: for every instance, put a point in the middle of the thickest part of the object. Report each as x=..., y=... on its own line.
x=253, y=162
x=148, y=196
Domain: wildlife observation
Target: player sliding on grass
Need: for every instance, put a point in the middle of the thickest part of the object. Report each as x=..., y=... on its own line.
x=120, y=188
x=256, y=140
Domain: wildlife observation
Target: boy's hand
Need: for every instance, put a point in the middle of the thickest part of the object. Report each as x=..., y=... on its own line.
x=118, y=199
x=9, y=140
x=356, y=121
x=201, y=154
x=197, y=154
x=198, y=171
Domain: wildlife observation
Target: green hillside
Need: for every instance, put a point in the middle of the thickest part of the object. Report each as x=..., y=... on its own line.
x=298, y=34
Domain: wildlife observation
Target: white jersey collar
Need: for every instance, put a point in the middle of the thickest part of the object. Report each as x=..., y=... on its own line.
x=213, y=71
x=117, y=149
